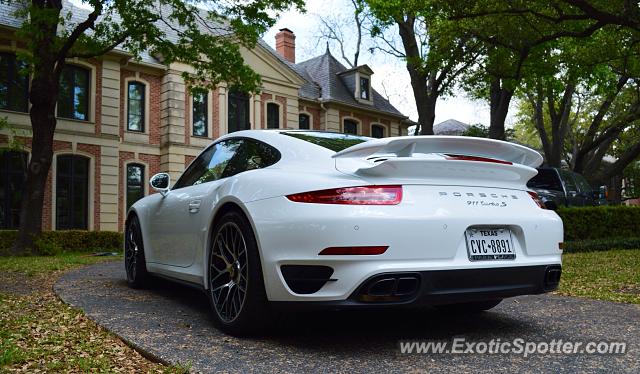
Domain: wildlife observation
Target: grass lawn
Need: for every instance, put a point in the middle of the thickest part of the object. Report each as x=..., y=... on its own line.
x=38, y=332
x=606, y=275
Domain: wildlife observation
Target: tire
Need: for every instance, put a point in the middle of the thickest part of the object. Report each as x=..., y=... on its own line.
x=134, y=261
x=471, y=307
x=235, y=283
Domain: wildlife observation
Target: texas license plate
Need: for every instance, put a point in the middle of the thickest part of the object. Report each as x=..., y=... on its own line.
x=490, y=243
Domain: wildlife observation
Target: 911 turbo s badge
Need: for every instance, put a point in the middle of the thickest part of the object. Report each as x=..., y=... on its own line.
x=482, y=202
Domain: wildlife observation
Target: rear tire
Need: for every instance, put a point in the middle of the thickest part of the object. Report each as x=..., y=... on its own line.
x=470, y=307
x=134, y=260
x=236, y=286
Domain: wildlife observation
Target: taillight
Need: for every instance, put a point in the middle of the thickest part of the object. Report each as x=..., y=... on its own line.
x=363, y=195
x=537, y=199
x=476, y=158
x=373, y=250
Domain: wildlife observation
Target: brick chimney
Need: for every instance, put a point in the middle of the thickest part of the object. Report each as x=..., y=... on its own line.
x=286, y=44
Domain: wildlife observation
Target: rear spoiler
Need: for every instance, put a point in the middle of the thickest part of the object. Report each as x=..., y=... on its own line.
x=406, y=146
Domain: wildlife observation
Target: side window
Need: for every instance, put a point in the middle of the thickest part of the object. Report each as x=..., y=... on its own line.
x=73, y=96
x=350, y=127
x=377, y=131
x=273, y=116
x=568, y=180
x=582, y=183
x=252, y=155
x=210, y=165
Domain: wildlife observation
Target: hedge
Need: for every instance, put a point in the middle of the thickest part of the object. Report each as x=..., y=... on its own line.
x=54, y=242
x=601, y=222
x=601, y=244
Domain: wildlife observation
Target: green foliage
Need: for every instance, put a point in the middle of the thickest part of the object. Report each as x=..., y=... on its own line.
x=14, y=143
x=206, y=34
x=56, y=242
x=601, y=244
x=602, y=222
x=478, y=131
x=481, y=131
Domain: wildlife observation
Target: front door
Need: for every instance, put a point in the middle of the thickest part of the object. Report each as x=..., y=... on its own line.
x=179, y=222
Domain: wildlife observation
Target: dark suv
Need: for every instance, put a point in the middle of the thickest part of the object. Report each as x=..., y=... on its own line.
x=559, y=187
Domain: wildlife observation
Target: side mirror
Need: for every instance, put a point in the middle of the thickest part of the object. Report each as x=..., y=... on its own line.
x=160, y=183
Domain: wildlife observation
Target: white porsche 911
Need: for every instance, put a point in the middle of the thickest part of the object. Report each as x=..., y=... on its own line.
x=281, y=218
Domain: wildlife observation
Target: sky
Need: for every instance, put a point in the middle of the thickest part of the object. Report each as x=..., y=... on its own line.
x=388, y=71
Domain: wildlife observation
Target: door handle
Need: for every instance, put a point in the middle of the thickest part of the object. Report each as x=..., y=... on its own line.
x=194, y=206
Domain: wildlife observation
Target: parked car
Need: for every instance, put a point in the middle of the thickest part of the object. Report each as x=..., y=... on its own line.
x=269, y=219
x=560, y=187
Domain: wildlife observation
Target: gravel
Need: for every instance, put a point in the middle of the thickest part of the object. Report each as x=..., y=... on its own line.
x=171, y=323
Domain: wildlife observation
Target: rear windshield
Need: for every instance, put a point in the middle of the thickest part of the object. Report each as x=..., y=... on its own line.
x=547, y=179
x=330, y=140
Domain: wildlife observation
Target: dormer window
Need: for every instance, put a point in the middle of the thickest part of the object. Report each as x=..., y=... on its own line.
x=364, y=88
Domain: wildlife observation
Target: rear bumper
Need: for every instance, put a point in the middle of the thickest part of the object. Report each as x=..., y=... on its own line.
x=437, y=287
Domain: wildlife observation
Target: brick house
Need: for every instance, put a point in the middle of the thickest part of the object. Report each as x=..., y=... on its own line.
x=121, y=121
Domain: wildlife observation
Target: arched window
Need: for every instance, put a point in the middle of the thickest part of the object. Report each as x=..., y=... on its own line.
x=135, y=106
x=72, y=192
x=199, y=114
x=273, y=116
x=135, y=183
x=14, y=87
x=304, y=121
x=350, y=127
x=74, y=95
x=13, y=168
x=377, y=131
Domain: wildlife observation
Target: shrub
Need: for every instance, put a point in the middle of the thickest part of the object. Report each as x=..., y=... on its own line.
x=602, y=222
x=54, y=242
x=601, y=244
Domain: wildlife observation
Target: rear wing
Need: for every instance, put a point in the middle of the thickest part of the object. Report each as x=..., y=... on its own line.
x=406, y=146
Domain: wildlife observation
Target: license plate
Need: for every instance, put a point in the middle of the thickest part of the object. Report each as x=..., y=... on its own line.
x=490, y=243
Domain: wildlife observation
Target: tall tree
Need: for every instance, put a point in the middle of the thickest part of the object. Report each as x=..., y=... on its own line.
x=434, y=52
x=587, y=100
x=176, y=30
x=342, y=27
x=522, y=27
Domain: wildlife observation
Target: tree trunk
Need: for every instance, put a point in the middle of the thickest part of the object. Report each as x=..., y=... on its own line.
x=427, y=115
x=420, y=79
x=499, y=101
x=43, y=96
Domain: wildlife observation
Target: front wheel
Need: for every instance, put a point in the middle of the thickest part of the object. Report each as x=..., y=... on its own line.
x=236, y=286
x=134, y=261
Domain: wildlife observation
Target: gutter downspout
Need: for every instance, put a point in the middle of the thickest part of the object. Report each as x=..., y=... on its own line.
x=326, y=115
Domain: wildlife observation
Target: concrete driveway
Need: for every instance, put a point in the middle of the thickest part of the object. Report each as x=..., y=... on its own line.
x=171, y=322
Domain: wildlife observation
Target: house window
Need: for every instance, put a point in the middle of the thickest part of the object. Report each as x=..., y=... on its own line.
x=273, y=116
x=350, y=127
x=364, y=88
x=377, y=131
x=304, y=121
x=135, y=106
x=200, y=109
x=135, y=183
x=13, y=169
x=73, y=97
x=72, y=192
x=238, y=117
x=14, y=87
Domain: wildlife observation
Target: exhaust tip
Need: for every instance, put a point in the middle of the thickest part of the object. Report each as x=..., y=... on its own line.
x=552, y=277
